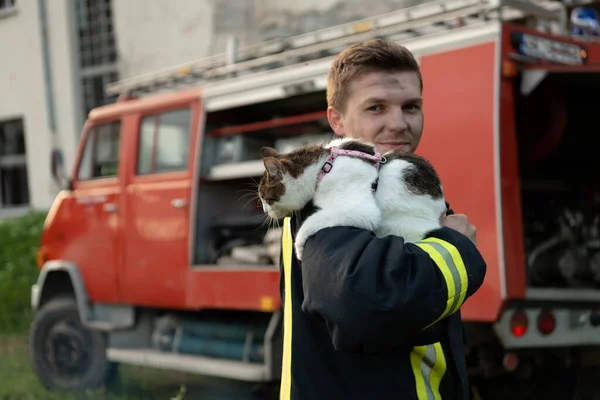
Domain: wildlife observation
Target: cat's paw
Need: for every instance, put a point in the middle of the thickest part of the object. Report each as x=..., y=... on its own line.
x=298, y=249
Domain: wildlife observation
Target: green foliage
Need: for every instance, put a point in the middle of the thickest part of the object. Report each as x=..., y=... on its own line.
x=19, y=242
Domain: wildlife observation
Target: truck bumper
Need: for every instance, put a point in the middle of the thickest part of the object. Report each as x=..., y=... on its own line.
x=570, y=327
x=35, y=297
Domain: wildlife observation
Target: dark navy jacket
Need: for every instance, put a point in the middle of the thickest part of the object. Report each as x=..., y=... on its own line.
x=376, y=318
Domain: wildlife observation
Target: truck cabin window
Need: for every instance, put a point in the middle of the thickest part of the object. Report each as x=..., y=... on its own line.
x=164, y=142
x=101, y=154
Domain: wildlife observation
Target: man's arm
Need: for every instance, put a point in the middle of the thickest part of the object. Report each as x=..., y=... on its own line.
x=377, y=292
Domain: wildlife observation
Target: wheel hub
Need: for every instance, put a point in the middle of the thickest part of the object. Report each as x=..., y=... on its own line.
x=66, y=349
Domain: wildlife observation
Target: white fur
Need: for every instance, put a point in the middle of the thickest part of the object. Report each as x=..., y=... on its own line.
x=404, y=213
x=344, y=198
x=337, y=142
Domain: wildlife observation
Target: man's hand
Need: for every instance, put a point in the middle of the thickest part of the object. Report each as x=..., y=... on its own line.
x=460, y=223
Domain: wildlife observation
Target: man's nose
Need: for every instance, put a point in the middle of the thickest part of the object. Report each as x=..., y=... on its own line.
x=397, y=121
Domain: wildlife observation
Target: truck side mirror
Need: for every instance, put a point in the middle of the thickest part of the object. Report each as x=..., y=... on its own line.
x=56, y=169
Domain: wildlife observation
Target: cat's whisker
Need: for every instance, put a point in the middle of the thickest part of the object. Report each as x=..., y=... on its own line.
x=254, y=198
x=253, y=184
x=251, y=194
x=246, y=191
x=266, y=222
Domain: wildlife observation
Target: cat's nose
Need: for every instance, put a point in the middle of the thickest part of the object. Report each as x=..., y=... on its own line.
x=265, y=206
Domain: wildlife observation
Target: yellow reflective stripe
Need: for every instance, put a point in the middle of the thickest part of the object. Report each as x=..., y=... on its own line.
x=438, y=371
x=286, y=368
x=450, y=263
x=460, y=266
x=416, y=358
x=441, y=264
x=429, y=366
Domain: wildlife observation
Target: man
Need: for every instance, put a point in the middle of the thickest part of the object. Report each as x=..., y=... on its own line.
x=367, y=317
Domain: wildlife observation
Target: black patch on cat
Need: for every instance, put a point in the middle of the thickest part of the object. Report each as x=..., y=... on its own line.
x=298, y=160
x=421, y=179
x=356, y=145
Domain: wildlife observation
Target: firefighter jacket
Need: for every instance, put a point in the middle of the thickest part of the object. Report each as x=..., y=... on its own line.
x=375, y=318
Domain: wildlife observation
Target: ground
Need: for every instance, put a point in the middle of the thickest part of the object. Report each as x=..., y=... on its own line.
x=18, y=382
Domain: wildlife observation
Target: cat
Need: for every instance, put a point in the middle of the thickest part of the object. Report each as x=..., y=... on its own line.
x=401, y=195
x=343, y=196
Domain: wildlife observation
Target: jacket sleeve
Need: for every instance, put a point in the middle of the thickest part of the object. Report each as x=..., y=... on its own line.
x=377, y=292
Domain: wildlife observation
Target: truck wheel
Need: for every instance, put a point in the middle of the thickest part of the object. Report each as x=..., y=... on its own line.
x=65, y=355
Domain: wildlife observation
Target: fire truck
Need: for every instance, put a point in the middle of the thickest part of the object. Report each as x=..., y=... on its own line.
x=157, y=253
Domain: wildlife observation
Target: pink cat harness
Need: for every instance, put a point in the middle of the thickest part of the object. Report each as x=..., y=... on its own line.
x=378, y=159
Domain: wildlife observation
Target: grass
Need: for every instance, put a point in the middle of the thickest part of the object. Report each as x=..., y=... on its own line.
x=18, y=381
x=18, y=271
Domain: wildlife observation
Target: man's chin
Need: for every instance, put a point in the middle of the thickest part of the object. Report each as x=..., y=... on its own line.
x=402, y=148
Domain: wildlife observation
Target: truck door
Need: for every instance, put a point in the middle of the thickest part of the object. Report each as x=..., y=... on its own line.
x=97, y=188
x=158, y=207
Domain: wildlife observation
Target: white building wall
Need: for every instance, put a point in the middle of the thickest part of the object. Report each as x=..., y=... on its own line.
x=22, y=85
x=67, y=98
x=153, y=34
x=156, y=34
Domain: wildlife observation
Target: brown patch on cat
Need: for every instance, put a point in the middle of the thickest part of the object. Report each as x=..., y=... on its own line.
x=295, y=162
x=271, y=187
x=422, y=179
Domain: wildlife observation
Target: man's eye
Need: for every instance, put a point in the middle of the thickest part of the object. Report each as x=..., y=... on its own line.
x=375, y=108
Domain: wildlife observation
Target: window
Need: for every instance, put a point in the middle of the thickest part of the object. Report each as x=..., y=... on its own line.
x=97, y=51
x=14, y=186
x=101, y=154
x=7, y=8
x=6, y=4
x=164, y=142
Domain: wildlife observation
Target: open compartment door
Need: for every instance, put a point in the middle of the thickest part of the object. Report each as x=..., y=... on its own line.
x=557, y=149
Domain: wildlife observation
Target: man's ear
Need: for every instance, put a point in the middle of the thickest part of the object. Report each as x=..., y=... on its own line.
x=336, y=121
x=273, y=167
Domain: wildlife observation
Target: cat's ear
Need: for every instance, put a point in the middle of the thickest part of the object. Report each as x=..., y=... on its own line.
x=268, y=152
x=273, y=166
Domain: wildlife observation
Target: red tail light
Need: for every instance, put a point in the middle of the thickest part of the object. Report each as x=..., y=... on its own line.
x=510, y=361
x=519, y=324
x=546, y=322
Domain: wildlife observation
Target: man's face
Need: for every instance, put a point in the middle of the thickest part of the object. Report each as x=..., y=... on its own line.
x=384, y=108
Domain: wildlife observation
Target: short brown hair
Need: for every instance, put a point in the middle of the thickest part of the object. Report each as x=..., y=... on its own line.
x=369, y=56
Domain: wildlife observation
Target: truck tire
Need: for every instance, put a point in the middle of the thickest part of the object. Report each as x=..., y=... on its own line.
x=65, y=355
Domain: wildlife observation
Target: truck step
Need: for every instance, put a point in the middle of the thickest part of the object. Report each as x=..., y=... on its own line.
x=191, y=364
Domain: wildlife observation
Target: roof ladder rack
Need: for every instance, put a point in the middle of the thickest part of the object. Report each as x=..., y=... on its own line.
x=398, y=25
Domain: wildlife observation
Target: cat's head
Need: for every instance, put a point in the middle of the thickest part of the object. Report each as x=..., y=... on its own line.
x=288, y=182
